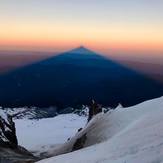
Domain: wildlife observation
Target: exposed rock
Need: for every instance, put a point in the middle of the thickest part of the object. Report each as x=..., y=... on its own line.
x=10, y=151
x=19, y=155
x=79, y=144
x=8, y=132
x=94, y=109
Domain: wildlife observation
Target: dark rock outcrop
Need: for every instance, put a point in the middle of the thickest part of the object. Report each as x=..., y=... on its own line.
x=94, y=109
x=79, y=144
x=10, y=151
x=18, y=155
x=8, y=132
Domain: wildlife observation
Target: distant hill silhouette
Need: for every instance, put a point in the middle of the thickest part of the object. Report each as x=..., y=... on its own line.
x=74, y=78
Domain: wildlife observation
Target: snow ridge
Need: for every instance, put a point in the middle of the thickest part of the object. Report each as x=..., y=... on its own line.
x=123, y=135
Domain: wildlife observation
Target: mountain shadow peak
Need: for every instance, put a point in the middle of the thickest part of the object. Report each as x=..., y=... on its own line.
x=72, y=79
x=82, y=50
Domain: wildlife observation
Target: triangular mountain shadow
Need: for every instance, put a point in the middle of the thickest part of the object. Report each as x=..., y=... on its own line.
x=74, y=78
x=82, y=50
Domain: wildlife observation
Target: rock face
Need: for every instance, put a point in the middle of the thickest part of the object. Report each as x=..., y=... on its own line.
x=94, y=109
x=10, y=151
x=8, y=132
x=18, y=155
x=79, y=144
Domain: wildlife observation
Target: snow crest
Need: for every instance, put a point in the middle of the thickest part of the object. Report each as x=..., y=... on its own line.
x=123, y=135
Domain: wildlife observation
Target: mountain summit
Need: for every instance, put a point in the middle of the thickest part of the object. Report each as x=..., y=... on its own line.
x=74, y=78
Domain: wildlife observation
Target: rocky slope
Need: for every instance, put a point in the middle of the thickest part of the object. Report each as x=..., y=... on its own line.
x=10, y=151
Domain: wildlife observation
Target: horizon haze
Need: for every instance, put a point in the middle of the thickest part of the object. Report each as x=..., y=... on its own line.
x=108, y=27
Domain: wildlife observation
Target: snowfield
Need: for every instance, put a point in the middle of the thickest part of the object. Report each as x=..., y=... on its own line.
x=40, y=135
x=123, y=135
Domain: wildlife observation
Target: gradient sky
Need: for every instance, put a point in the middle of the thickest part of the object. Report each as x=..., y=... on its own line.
x=103, y=25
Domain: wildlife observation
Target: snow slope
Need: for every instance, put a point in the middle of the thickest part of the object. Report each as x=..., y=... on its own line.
x=40, y=135
x=124, y=135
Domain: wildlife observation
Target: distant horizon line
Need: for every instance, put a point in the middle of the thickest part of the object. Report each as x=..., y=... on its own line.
x=110, y=53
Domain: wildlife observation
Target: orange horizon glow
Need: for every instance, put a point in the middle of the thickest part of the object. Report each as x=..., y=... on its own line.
x=103, y=47
x=57, y=38
x=105, y=26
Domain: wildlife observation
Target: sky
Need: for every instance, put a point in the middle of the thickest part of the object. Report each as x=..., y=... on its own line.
x=108, y=26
